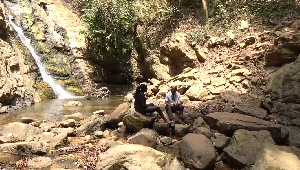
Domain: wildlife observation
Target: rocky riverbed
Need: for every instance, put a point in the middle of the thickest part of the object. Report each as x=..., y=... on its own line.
x=126, y=139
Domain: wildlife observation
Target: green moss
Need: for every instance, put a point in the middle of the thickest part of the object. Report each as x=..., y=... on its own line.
x=75, y=90
x=59, y=70
x=44, y=91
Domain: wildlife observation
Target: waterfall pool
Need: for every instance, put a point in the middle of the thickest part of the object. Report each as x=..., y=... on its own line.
x=53, y=110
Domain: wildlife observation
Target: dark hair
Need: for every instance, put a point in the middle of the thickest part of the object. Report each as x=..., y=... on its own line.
x=139, y=89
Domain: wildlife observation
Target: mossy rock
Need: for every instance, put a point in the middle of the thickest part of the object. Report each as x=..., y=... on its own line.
x=75, y=90
x=59, y=71
x=44, y=91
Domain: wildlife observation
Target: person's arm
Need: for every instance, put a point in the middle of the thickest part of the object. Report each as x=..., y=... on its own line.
x=179, y=99
x=167, y=100
x=143, y=101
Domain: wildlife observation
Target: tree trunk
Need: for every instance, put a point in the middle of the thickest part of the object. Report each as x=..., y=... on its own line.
x=204, y=2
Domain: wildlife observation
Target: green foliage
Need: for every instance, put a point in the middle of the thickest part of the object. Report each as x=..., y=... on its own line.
x=110, y=26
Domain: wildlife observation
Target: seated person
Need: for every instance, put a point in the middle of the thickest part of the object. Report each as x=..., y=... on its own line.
x=140, y=103
x=174, y=103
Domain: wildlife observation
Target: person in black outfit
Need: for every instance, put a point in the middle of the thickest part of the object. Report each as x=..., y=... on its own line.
x=140, y=103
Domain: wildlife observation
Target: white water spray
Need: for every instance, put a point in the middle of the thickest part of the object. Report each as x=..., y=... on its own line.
x=58, y=90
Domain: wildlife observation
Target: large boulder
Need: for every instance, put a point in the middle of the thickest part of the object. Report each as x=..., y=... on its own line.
x=146, y=137
x=196, y=92
x=175, y=164
x=181, y=130
x=199, y=122
x=14, y=132
x=283, y=54
x=93, y=124
x=135, y=121
x=39, y=162
x=197, y=151
x=294, y=136
x=51, y=140
x=274, y=157
x=23, y=148
x=131, y=157
x=117, y=115
x=244, y=146
x=228, y=123
x=162, y=128
x=250, y=110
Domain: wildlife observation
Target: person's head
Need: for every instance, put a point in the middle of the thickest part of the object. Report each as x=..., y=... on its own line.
x=141, y=88
x=173, y=89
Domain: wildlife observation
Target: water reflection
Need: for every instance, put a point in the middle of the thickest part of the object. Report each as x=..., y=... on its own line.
x=53, y=110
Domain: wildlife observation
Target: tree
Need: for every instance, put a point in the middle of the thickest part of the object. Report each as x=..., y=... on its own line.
x=204, y=2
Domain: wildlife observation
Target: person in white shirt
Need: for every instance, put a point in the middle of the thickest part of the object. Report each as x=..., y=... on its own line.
x=174, y=103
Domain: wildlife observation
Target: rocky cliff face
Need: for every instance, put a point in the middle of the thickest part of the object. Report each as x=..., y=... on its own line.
x=16, y=84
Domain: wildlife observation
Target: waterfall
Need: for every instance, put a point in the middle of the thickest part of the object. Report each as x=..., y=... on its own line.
x=58, y=90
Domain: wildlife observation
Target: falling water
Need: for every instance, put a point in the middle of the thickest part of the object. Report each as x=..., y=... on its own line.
x=59, y=91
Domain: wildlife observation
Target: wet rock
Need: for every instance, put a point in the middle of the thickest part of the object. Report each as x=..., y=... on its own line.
x=145, y=137
x=75, y=116
x=27, y=120
x=73, y=104
x=93, y=124
x=135, y=121
x=162, y=128
x=131, y=157
x=221, y=141
x=68, y=131
x=67, y=123
x=204, y=131
x=273, y=157
x=197, y=151
x=247, y=109
x=227, y=123
x=244, y=147
x=117, y=115
x=166, y=140
x=39, y=162
x=23, y=148
x=52, y=140
x=14, y=132
x=181, y=130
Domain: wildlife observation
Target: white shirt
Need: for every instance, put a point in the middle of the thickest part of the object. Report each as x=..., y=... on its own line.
x=173, y=99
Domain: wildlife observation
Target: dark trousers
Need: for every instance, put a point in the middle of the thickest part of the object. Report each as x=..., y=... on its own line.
x=152, y=108
x=171, y=109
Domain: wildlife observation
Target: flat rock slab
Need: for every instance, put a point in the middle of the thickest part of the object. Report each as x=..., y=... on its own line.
x=249, y=110
x=39, y=162
x=22, y=148
x=228, y=123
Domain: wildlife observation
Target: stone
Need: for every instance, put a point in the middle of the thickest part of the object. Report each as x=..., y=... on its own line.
x=39, y=162
x=279, y=56
x=131, y=156
x=199, y=122
x=244, y=146
x=181, y=130
x=67, y=123
x=99, y=112
x=14, y=132
x=246, y=83
x=99, y=134
x=254, y=80
x=145, y=137
x=162, y=128
x=27, y=120
x=51, y=140
x=135, y=121
x=47, y=126
x=227, y=123
x=73, y=104
x=108, y=143
x=68, y=131
x=166, y=140
x=217, y=81
x=221, y=141
x=294, y=136
x=117, y=115
x=231, y=96
x=197, y=151
x=249, y=110
x=175, y=165
x=204, y=131
x=90, y=126
x=196, y=92
x=23, y=148
x=76, y=116
x=249, y=40
x=273, y=157
x=241, y=72
x=236, y=79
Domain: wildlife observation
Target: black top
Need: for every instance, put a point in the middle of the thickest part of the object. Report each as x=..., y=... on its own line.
x=140, y=102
